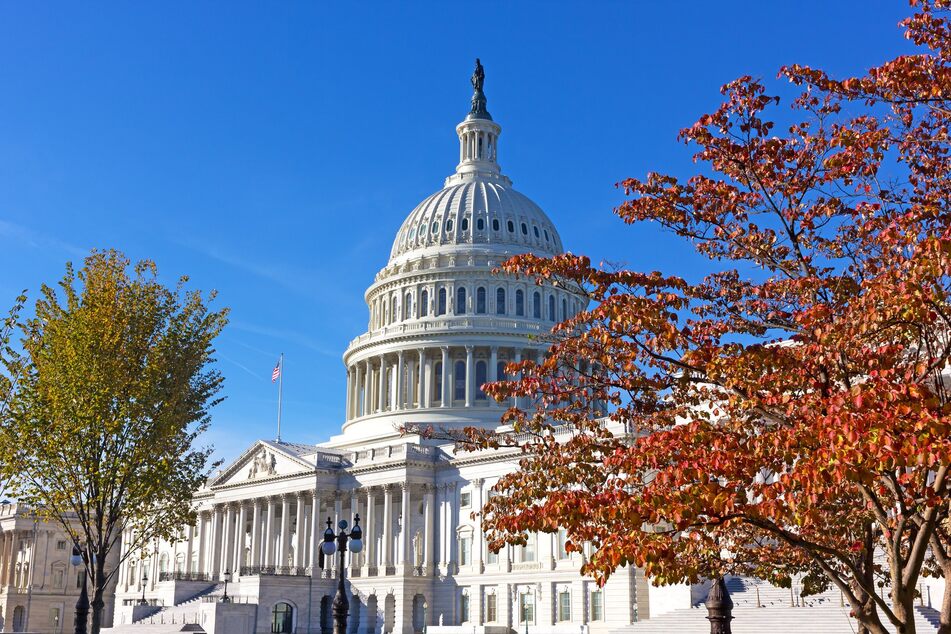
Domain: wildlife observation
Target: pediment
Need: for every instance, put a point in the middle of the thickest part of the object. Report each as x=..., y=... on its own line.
x=261, y=461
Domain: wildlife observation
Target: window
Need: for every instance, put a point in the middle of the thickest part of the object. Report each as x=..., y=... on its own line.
x=464, y=608
x=491, y=557
x=437, y=384
x=500, y=301
x=562, y=541
x=59, y=578
x=441, y=302
x=464, y=224
x=465, y=499
x=461, y=301
x=564, y=309
x=526, y=607
x=536, y=231
x=394, y=313
x=500, y=370
x=551, y=308
x=408, y=306
x=524, y=229
x=79, y=579
x=459, y=381
x=481, y=380
x=527, y=551
x=597, y=606
x=435, y=226
x=495, y=224
x=546, y=235
x=61, y=544
x=480, y=300
x=491, y=608
x=520, y=303
x=537, y=305
x=54, y=619
x=510, y=226
x=465, y=546
x=424, y=304
x=480, y=224
x=282, y=619
x=449, y=225
x=564, y=605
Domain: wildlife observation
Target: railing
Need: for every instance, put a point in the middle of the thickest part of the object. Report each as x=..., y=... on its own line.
x=290, y=571
x=396, y=452
x=442, y=323
x=155, y=603
x=186, y=576
x=232, y=598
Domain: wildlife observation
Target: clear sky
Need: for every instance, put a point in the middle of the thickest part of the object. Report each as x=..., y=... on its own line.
x=271, y=150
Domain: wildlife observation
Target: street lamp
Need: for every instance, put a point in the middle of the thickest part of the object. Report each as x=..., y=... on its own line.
x=82, y=605
x=145, y=580
x=225, y=598
x=341, y=606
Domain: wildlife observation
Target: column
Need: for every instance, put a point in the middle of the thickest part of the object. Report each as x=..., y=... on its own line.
x=470, y=379
x=429, y=537
x=446, y=388
x=380, y=402
x=354, y=511
x=214, y=553
x=227, y=535
x=399, y=382
x=239, y=559
x=347, y=400
x=269, y=534
x=189, y=549
x=366, y=390
x=369, y=530
x=451, y=531
x=479, y=537
x=299, y=546
x=422, y=397
x=493, y=373
x=387, y=525
x=202, y=539
x=256, y=533
x=285, y=529
x=315, y=531
x=442, y=496
x=406, y=528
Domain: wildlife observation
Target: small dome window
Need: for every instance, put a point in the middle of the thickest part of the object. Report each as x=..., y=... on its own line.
x=449, y=225
x=495, y=224
x=546, y=235
x=536, y=231
x=480, y=224
x=435, y=227
x=412, y=233
x=511, y=226
x=524, y=229
x=464, y=224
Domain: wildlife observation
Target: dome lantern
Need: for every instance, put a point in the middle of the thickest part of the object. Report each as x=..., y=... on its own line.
x=478, y=137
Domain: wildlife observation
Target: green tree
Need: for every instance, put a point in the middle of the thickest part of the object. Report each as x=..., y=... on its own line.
x=115, y=387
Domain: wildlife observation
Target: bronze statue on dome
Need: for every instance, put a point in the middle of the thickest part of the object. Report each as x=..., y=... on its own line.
x=478, y=110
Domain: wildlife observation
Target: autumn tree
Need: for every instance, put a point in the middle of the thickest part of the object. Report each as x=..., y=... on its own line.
x=788, y=414
x=115, y=388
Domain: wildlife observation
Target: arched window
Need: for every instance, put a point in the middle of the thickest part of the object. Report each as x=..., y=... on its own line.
x=163, y=563
x=480, y=300
x=537, y=305
x=510, y=226
x=480, y=224
x=424, y=304
x=519, y=303
x=551, y=308
x=564, y=309
x=495, y=224
x=500, y=370
x=536, y=231
x=524, y=229
x=464, y=224
x=441, y=302
x=500, y=301
x=408, y=306
x=383, y=314
x=437, y=383
x=481, y=379
x=546, y=235
x=461, y=300
x=449, y=225
x=393, y=311
x=282, y=619
x=459, y=381
x=435, y=226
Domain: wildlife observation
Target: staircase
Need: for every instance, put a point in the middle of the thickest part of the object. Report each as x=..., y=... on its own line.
x=760, y=607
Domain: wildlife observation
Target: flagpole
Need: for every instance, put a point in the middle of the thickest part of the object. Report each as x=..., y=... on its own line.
x=280, y=393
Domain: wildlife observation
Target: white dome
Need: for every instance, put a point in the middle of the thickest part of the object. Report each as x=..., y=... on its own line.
x=478, y=211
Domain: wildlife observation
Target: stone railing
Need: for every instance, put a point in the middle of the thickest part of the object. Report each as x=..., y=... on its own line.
x=290, y=571
x=186, y=576
x=468, y=322
x=395, y=452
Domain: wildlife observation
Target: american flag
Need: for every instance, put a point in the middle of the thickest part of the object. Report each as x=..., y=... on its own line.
x=276, y=372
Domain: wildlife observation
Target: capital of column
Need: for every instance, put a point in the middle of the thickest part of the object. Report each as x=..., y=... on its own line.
x=478, y=482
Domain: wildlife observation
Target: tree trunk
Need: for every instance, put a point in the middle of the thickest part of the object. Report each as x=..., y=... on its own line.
x=99, y=589
x=903, y=606
x=945, y=623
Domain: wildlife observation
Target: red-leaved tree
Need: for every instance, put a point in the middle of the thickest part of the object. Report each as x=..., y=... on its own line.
x=788, y=414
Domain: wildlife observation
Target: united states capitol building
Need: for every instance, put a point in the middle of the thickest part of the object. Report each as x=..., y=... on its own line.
x=441, y=324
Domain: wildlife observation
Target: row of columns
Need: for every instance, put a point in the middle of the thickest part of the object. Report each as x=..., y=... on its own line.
x=408, y=381
x=477, y=145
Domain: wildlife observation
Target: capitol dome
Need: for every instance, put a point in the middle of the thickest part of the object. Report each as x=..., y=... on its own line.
x=442, y=321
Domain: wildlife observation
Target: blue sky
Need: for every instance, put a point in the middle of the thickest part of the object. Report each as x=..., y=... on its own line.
x=271, y=150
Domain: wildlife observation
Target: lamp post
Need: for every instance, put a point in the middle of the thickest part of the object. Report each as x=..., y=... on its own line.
x=341, y=605
x=82, y=605
x=719, y=608
x=225, y=598
x=145, y=581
